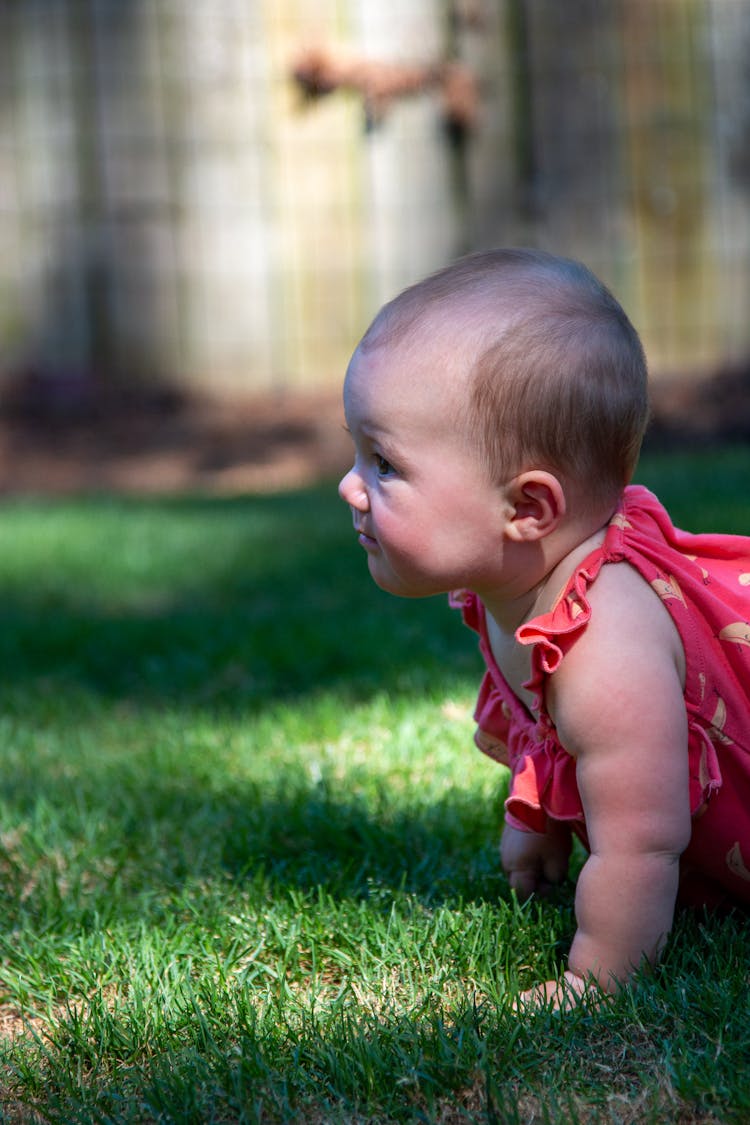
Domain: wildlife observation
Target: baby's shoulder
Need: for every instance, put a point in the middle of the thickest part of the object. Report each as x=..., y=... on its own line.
x=629, y=654
x=621, y=588
x=627, y=618
x=625, y=605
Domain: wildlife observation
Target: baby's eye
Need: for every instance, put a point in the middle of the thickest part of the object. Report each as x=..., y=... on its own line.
x=384, y=467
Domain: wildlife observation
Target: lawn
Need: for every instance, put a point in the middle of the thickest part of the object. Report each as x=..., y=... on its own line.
x=249, y=856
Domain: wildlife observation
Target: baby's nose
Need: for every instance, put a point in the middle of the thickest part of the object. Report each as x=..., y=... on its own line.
x=352, y=491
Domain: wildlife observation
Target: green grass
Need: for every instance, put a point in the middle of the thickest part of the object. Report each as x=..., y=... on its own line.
x=248, y=855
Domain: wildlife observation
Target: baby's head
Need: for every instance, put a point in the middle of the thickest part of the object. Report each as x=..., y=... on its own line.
x=543, y=367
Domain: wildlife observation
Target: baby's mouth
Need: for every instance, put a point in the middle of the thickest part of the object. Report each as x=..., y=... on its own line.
x=364, y=537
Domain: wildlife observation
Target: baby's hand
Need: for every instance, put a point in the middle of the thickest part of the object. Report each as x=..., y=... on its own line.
x=535, y=861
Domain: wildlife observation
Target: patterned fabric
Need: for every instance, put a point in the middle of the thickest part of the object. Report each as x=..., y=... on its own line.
x=704, y=582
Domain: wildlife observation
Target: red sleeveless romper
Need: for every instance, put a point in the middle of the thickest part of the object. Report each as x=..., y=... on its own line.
x=704, y=582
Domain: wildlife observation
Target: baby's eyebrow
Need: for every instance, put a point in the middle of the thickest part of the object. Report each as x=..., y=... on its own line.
x=375, y=432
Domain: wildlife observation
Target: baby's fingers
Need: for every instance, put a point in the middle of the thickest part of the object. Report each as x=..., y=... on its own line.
x=528, y=881
x=524, y=882
x=555, y=870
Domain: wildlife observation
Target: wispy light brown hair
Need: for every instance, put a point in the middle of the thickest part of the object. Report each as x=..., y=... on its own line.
x=558, y=377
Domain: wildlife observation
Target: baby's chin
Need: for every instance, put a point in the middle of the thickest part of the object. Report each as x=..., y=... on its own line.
x=406, y=588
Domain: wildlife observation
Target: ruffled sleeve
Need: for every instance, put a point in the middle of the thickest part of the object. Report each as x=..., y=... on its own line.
x=543, y=784
x=544, y=774
x=492, y=713
x=543, y=779
x=554, y=633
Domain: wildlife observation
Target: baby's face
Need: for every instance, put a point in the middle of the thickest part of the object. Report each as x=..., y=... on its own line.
x=426, y=513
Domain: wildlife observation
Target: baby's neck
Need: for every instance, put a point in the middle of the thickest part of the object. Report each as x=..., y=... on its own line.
x=509, y=613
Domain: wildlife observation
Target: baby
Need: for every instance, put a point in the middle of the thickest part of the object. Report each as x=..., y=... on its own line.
x=497, y=410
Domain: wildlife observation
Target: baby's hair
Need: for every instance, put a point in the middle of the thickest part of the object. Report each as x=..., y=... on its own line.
x=558, y=373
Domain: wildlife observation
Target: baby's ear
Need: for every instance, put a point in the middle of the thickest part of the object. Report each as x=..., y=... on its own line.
x=538, y=505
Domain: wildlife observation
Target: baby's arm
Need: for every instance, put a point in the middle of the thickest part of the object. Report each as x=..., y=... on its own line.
x=617, y=701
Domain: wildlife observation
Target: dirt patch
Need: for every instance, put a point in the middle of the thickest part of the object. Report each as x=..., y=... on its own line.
x=166, y=442
x=73, y=437
x=695, y=411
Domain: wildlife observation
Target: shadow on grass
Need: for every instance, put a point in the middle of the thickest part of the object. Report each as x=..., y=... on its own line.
x=164, y=837
x=210, y=602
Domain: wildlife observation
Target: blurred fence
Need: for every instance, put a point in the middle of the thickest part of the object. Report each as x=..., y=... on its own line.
x=221, y=194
